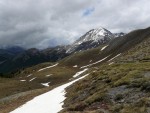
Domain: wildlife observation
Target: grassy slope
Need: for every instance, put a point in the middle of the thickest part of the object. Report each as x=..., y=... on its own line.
x=60, y=74
x=83, y=57
x=122, y=87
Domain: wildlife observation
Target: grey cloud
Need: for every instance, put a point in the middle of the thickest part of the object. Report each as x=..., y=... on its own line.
x=43, y=23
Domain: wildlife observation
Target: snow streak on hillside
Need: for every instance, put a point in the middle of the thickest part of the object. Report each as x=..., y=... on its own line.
x=104, y=47
x=50, y=102
x=95, y=62
x=80, y=72
x=47, y=67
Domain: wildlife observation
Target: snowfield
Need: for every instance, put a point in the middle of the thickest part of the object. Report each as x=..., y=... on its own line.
x=50, y=102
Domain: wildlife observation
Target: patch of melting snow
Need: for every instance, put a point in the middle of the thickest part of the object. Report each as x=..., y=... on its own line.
x=49, y=75
x=29, y=75
x=32, y=79
x=90, y=61
x=46, y=84
x=80, y=72
x=104, y=47
x=111, y=63
x=115, y=57
x=22, y=80
x=95, y=62
x=47, y=67
x=75, y=66
x=50, y=102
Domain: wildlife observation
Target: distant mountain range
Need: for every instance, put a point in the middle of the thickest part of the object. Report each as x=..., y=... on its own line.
x=9, y=53
x=13, y=58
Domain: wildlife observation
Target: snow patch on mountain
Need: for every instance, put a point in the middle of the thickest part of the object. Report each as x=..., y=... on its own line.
x=45, y=84
x=50, y=102
x=95, y=62
x=111, y=63
x=80, y=72
x=104, y=47
x=75, y=66
x=29, y=75
x=90, y=61
x=93, y=38
x=32, y=79
x=22, y=80
x=49, y=75
x=115, y=57
x=47, y=67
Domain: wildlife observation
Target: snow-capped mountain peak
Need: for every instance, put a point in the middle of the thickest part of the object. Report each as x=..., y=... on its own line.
x=92, y=38
x=100, y=31
x=95, y=35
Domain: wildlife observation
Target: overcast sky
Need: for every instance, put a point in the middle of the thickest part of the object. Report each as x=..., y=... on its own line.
x=43, y=23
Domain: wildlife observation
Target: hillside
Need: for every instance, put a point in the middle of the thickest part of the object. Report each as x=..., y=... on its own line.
x=117, y=78
x=119, y=86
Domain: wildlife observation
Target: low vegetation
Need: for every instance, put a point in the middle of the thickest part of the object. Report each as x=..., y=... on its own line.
x=122, y=87
x=113, y=86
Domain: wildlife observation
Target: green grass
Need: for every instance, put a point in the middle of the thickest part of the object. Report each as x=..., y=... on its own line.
x=83, y=57
x=96, y=86
x=129, y=71
x=60, y=74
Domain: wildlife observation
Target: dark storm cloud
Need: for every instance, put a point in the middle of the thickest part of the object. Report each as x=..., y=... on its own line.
x=43, y=23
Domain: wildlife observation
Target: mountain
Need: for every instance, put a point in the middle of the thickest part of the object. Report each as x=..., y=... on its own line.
x=116, y=80
x=91, y=39
x=8, y=53
x=119, y=34
x=32, y=57
x=15, y=49
x=119, y=82
x=20, y=58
